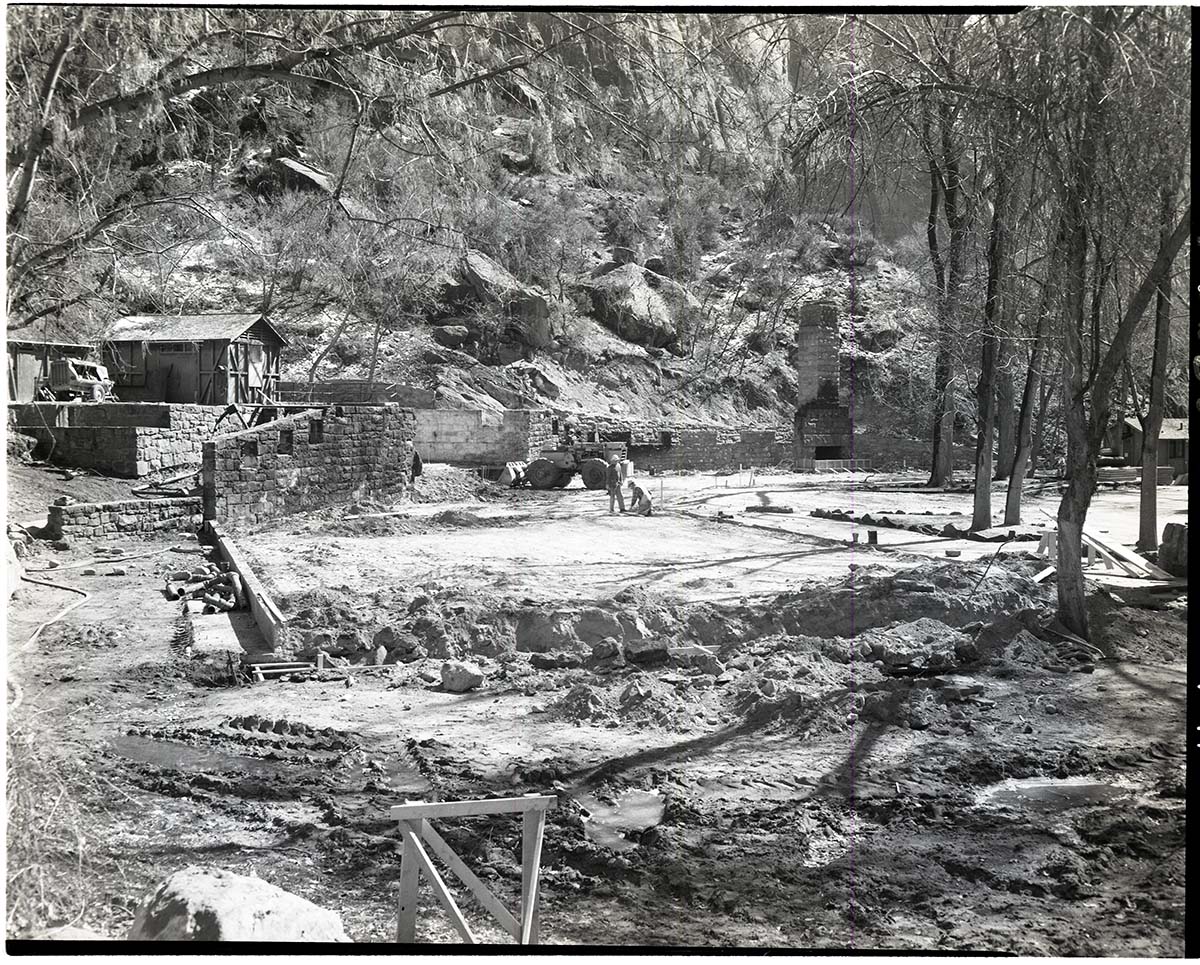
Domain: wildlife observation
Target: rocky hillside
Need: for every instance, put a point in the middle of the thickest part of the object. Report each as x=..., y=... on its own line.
x=614, y=337
x=578, y=233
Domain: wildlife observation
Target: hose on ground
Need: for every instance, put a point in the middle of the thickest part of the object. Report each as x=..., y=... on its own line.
x=19, y=694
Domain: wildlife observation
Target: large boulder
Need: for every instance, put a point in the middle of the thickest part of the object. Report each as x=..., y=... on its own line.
x=1173, y=550
x=527, y=308
x=644, y=307
x=646, y=652
x=209, y=904
x=458, y=676
x=450, y=336
x=595, y=624
x=544, y=631
x=541, y=382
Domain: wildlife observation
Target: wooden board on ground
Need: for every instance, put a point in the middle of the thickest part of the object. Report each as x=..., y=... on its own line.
x=1127, y=556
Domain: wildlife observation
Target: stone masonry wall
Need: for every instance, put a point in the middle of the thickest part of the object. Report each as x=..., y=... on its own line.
x=119, y=438
x=474, y=437
x=308, y=460
x=93, y=520
x=708, y=449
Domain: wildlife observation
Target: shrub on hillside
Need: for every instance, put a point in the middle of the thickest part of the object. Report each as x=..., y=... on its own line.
x=691, y=211
x=629, y=222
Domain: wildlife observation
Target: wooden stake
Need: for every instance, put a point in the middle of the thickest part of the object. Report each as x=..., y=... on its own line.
x=533, y=825
x=406, y=917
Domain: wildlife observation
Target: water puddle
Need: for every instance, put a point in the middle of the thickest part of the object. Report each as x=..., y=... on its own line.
x=171, y=755
x=1051, y=794
x=632, y=812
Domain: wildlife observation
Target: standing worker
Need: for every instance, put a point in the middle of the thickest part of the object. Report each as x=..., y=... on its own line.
x=414, y=471
x=641, y=500
x=612, y=479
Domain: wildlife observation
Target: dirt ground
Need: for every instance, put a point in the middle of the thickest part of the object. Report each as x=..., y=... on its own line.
x=836, y=746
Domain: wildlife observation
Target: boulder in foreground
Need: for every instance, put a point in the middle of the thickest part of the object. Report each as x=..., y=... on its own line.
x=209, y=904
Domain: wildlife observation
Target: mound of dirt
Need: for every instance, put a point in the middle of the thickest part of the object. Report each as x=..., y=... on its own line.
x=953, y=593
x=451, y=484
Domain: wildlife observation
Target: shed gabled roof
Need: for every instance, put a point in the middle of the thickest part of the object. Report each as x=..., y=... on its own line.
x=186, y=328
x=1171, y=428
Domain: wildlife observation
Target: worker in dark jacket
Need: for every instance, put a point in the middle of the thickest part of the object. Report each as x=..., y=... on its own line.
x=613, y=481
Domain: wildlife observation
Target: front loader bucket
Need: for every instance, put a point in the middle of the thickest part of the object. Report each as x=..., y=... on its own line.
x=513, y=474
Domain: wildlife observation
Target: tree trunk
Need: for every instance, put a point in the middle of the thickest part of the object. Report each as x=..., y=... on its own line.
x=374, y=357
x=981, y=517
x=312, y=372
x=1006, y=423
x=1085, y=429
x=956, y=220
x=1072, y=511
x=1148, y=522
x=1025, y=439
x=1043, y=422
x=941, y=455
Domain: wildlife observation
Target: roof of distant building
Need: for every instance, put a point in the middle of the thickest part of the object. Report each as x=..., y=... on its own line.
x=186, y=328
x=1171, y=428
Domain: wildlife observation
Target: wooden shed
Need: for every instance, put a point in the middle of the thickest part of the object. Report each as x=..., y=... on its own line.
x=1172, y=443
x=209, y=359
x=29, y=362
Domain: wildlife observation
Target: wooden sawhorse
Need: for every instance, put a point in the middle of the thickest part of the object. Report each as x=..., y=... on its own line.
x=414, y=817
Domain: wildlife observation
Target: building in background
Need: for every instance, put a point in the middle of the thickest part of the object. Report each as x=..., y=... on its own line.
x=208, y=359
x=1172, y=443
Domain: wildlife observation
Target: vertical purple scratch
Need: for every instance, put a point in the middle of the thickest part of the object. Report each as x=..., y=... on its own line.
x=852, y=118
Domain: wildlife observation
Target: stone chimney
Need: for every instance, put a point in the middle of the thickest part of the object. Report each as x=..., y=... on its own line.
x=816, y=357
x=823, y=432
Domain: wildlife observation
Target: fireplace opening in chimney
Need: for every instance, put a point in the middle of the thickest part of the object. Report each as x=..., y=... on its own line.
x=828, y=452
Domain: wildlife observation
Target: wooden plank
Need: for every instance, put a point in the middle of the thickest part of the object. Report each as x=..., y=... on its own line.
x=1044, y=575
x=490, y=902
x=410, y=830
x=533, y=826
x=406, y=910
x=1127, y=555
x=453, y=809
x=1134, y=571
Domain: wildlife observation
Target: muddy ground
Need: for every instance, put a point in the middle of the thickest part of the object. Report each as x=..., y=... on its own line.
x=841, y=747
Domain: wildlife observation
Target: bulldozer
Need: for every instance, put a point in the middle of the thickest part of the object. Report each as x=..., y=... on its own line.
x=556, y=467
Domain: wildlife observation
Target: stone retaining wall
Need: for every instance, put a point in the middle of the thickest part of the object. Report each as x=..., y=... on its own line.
x=308, y=460
x=127, y=439
x=709, y=449
x=474, y=437
x=97, y=520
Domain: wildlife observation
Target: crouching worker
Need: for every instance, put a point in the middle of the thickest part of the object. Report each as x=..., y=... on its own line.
x=641, y=500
